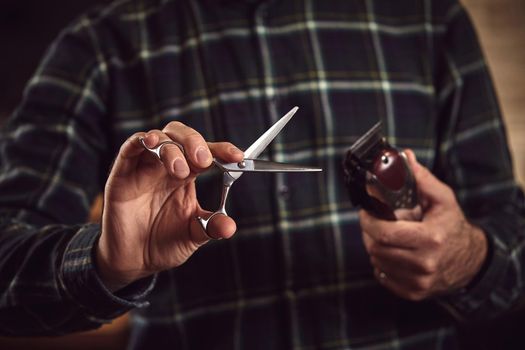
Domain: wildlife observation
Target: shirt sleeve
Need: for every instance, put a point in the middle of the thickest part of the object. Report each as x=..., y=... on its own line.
x=474, y=159
x=53, y=162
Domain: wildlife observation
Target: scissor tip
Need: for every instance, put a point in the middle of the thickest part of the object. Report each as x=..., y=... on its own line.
x=291, y=112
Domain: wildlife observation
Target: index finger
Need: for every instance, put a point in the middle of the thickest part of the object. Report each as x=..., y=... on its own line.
x=128, y=155
x=401, y=234
x=195, y=147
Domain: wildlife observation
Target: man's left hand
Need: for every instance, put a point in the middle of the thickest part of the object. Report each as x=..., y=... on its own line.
x=438, y=255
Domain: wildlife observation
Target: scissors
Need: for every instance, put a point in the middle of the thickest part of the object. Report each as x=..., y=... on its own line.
x=232, y=171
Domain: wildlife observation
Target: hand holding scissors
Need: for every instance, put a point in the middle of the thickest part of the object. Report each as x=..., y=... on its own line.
x=233, y=171
x=150, y=207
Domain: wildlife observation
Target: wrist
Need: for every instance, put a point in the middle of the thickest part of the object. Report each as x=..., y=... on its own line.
x=478, y=260
x=109, y=277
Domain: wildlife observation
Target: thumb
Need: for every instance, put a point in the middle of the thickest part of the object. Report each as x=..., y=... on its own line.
x=430, y=188
x=220, y=226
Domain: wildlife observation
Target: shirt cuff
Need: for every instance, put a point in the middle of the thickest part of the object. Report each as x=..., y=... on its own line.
x=467, y=302
x=81, y=281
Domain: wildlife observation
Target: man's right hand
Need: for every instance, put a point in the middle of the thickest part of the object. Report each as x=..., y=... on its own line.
x=150, y=206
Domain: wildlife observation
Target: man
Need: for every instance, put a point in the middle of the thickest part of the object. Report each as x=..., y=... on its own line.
x=299, y=271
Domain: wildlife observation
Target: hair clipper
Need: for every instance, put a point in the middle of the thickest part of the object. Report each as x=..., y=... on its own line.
x=379, y=179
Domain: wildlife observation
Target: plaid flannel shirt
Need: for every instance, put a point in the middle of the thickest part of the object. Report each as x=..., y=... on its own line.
x=296, y=275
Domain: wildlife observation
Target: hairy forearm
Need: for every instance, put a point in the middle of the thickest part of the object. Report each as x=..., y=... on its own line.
x=473, y=258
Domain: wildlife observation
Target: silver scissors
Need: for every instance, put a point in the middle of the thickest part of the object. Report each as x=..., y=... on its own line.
x=233, y=171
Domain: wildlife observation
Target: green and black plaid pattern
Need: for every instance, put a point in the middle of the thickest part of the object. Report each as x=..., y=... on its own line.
x=296, y=275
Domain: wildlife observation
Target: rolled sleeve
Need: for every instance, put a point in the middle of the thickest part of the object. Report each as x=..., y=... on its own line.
x=468, y=302
x=82, y=282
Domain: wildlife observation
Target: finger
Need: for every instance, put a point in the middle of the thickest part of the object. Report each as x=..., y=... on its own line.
x=397, y=287
x=428, y=185
x=403, y=259
x=411, y=261
x=405, y=285
x=171, y=156
x=198, y=154
x=128, y=155
x=402, y=234
x=226, y=151
x=367, y=241
x=219, y=227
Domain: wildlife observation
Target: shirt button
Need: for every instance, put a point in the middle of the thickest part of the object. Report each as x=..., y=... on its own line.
x=284, y=192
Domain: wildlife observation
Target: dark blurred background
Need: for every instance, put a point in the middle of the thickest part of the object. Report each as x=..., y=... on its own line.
x=26, y=30
x=28, y=27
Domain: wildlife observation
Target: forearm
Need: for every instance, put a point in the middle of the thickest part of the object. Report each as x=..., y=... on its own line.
x=474, y=160
x=49, y=283
x=475, y=258
x=498, y=287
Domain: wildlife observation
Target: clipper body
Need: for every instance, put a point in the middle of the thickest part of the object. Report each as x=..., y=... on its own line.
x=379, y=179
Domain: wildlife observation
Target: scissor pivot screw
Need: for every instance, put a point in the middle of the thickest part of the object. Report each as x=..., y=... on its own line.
x=242, y=164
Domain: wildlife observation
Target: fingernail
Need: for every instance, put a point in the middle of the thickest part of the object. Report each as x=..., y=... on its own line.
x=179, y=167
x=203, y=156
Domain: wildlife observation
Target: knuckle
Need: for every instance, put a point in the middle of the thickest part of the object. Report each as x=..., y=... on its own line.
x=153, y=131
x=437, y=240
x=429, y=266
x=132, y=139
x=193, y=138
x=173, y=125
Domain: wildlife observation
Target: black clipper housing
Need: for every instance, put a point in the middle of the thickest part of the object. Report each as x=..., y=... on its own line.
x=378, y=177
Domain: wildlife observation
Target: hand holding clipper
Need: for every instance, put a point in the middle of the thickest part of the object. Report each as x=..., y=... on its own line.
x=379, y=179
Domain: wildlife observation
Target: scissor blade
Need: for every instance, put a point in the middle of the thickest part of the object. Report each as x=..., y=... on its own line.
x=256, y=165
x=258, y=146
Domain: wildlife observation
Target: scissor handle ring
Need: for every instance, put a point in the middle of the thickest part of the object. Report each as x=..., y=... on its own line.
x=204, y=222
x=156, y=150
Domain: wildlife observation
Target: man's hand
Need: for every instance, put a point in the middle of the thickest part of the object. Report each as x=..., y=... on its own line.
x=150, y=206
x=438, y=255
